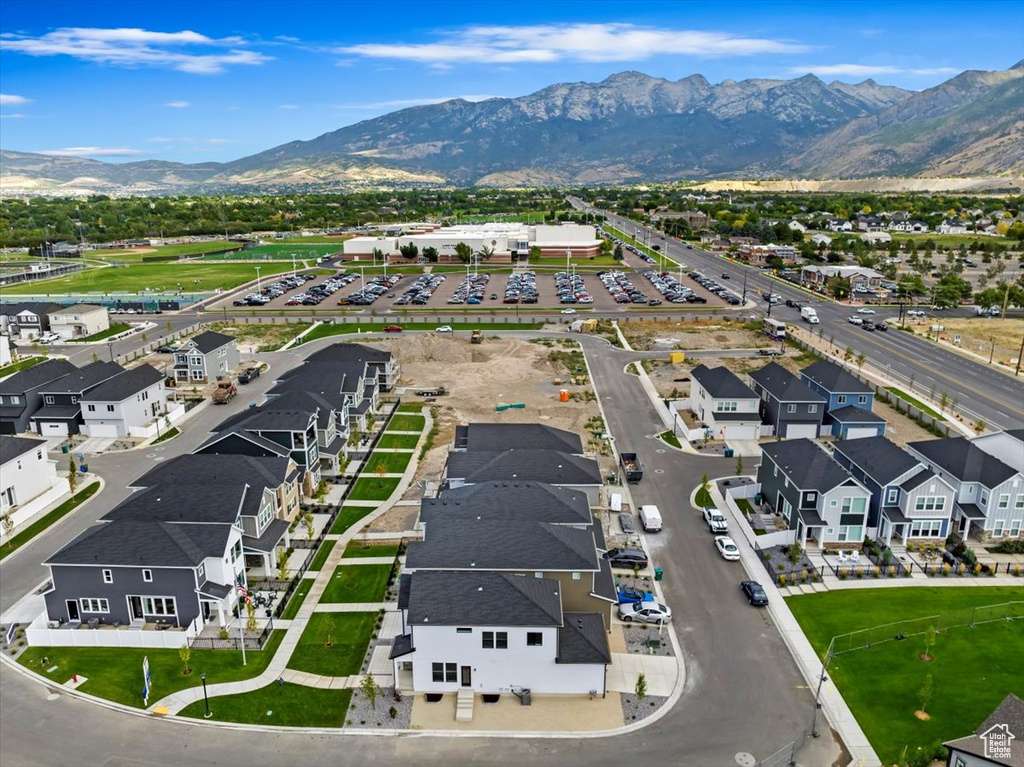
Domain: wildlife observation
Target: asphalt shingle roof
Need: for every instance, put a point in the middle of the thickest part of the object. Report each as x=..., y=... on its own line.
x=124, y=385
x=583, y=639
x=13, y=447
x=36, y=376
x=783, y=385
x=1009, y=714
x=223, y=443
x=964, y=460
x=524, y=501
x=835, y=379
x=917, y=479
x=38, y=308
x=267, y=418
x=219, y=470
x=520, y=436
x=343, y=376
x=83, y=379
x=342, y=352
x=550, y=466
x=57, y=412
x=483, y=599
x=854, y=414
x=807, y=465
x=721, y=383
x=210, y=340
x=144, y=543
x=182, y=503
x=879, y=458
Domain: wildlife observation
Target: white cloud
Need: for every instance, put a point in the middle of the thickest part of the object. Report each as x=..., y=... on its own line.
x=178, y=104
x=221, y=141
x=136, y=48
x=9, y=99
x=287, y=106
x=402, y=103
x=15, y=116
x=287, y=39
x=570, y=42
x=868, y=70
x=93, y=151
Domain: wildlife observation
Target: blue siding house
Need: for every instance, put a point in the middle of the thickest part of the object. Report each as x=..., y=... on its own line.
x=849, y=401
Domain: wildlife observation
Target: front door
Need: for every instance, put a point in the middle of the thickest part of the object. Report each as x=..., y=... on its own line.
x=72, y=610
x=467, y=676
x=135, y=608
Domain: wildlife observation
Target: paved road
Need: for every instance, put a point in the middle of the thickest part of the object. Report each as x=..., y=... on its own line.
x=981, y=391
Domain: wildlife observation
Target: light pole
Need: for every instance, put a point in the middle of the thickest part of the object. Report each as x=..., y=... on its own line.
x=206, y=698
x=258, y=288
x=110, y=348
x=744, y=287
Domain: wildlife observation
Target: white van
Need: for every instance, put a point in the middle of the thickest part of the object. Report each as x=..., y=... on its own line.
x=650, y=518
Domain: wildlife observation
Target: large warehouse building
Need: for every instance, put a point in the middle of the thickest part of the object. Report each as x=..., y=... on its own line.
x=510, y=242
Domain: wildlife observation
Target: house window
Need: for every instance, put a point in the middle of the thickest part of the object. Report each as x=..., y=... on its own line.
x=575, y=576
x=39, y=455
x=850, y=533
x=48, y=399
x=893, y=495
x=538, y=574
x=862, y=399
x=495, y=640
x=841, y=399
x=108, y=576
x=197, y=375
x=1018, y=502
x=812, y=408
x=984, y=497
x=147, y=576
x=15, y=399
x=930, y=503
x=1004, y=501
x=91, y=408
x=90, y=605
x=790, y=408
x=110, y=408
x=853, y=505
x=1015, y=527
x=443, y=672
x=727, y=407
x=463, y=631
x=810, y=499
x=534, y=638
x=928, y=528
x=997, y=528
x=159, y=606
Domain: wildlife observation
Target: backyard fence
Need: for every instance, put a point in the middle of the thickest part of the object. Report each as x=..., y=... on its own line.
x=233, y=642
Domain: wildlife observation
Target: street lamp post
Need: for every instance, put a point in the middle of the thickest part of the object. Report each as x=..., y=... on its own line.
x=110, y=348
x=258, y=288
x=206, y=698
x=744, y=286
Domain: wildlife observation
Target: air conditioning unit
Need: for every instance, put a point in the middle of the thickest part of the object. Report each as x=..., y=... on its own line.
x=53, y=624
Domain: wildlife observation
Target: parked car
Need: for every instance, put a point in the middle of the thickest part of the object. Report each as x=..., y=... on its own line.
x=855, y=320
x=626, y=523
x=392, y=328
x=630, y=595
x=865, y=310
x=716, y=521
x=568, y=311
x=755, y=593
x=166, y=349
x=48, y=338
x=727, y=548
x=627, y=558
x=645, y=612
x=443, y=329
x=881, y=326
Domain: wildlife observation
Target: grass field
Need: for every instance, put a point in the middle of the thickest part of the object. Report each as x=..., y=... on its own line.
x=348, y=516
x=321, y=555
x=14, y=367
x=972, y=669
x=357, y=583
x=394, y=463
x=670, y=438
x=298, y=597
x=184, y=249
x=398, y=441
x=169, y=434
x=28, y=533
x=113, y=330
x=373, y=489
x=998, y=338
x=280, y=705
x=407, y=423
x=333, y=644
x=351, y=328
x=370, y=549
x=159, y=278
x=948, y=240
x=115, y=673
x=410, y=407
x=899, y=393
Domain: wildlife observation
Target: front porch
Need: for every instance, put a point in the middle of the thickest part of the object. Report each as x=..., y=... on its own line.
x=261, y=553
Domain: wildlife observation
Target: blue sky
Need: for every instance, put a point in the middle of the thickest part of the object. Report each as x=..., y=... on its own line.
x=214, y=81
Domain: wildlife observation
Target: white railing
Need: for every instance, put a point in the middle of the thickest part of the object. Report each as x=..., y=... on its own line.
x=40, y=634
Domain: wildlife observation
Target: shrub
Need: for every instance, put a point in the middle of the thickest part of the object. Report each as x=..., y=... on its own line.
x=767, y=555
x=875, y=571
x=1010, y=547
x=976, y=569
x=782, y=578
x=969, y=557
x=223, y=634
x=945, y=569
x=393, y=712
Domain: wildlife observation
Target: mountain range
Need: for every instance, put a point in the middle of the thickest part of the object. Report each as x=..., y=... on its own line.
x=628, y=128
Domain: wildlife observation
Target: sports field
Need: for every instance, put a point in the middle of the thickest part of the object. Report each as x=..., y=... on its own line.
x=300, y=250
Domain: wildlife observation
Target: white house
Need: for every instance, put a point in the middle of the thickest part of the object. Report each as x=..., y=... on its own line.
x=5, y=351
x=724, y=403
x=124, y=404
x=874, y=237
x=840, y=225
x=952, y=226
x=796, y=226
x=821, y=239
x=25, y=471
x=1007, y=446
x=79, y=320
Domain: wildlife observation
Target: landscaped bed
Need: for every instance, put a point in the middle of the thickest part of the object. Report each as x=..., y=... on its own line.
x=398, y=441
x=14, y=367
x=407, y=423
x=113, y=330
x=373, y=489
x=785, y=568
x=281, y=705
x=357, y=583
x=334, y=644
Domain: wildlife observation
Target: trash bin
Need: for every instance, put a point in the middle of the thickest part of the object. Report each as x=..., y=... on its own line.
x=658, y=573
x=758, y=498
x=64, y=449
x=728, y=452
x=84, y=468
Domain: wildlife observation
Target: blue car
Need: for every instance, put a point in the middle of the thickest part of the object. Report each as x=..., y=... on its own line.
x=631, y=596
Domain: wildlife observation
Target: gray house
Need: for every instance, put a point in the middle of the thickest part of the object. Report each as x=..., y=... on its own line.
x=792, y=408
x=510, y=501
x=21, y=397
x=352, y=389
x=516, y=436
x=26, y=321
x=204, y=357
x=381, y=363
x=61, y=413
x=552, y=467
x=814, y=494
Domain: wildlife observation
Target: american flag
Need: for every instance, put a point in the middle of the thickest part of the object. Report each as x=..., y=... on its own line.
x=243, y=592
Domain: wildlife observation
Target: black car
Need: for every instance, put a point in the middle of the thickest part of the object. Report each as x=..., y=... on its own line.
x=881, y=326
x=627, y=558
x=755, y=593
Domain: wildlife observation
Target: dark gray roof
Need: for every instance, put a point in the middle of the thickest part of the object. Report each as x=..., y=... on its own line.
x=404, y=584
x=401, y=646
x=807, y=465
x=519, y=436
x=509, y=501
x=39, y=308
x=342, y=352
x=917, y=479
x=604, y=582
x=182, y=503
x=344, y=376
x=35, y=376
x=124, y=385
x=854, y=414
x=326, y=397
x=550, y=466
x=266, y=418
x=964, y=460
x=1017, y=434
x=83, y=379
x=308, y=402
x=275, y=532
x=144, y=543
x=877, y=457
x=834, y=379
x=483, y=544
x=1008, y=714
x=811, y=518
x=721, y=383
x=220, y=444
x=57, y=413
x=257, y=472
x=12, y=447
x=783, y=385
x=483, y=599
x=583, y=639
x=895, y=515
x=971, y=510
x=216, y=590
x=210, y=340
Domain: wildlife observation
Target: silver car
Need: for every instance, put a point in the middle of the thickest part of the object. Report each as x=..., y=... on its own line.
x=645, y=612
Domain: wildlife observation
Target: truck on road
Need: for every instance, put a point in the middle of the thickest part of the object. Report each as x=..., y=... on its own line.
x=224, y=393
x=809, y=314
x=631, y=467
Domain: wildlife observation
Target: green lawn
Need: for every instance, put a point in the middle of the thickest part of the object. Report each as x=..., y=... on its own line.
x=670, y=438
x=373, y=489
x=183, y=249
x=407, y=423
x=913, y=401
x=351, y=328
x=171, y=433
x=972, y=670
x=703, y=498
x=115, y=673
x=281, y=705
x=394, y=463
x=370, y=549
x=398, y=441
x=163, y=277
x=357, y=583
x=410, y=407
x=113, y=330
x=14, y=367
x=608, y=260
x=321, y=555
x=349, y=635
x=28, y=533
x=348, y=516
x=298, y=597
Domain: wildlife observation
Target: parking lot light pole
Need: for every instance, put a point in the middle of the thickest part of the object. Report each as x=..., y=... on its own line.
x=258, y=288
x=817, y=695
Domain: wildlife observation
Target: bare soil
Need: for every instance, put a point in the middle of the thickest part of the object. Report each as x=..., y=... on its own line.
x=646, y=335
x=978, y=334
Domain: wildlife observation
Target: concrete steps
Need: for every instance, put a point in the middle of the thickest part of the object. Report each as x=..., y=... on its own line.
x=464, y=705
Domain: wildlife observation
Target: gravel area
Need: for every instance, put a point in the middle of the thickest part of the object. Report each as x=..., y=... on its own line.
x=636, y=640
x=362, y=716
x=634, y=709
x=778, y=556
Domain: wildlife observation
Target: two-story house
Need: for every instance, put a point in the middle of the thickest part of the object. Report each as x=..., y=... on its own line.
x=793, y=409
x=908, y=500
x=61, y=413
x=1007, y=446
x=552, y=467
x=351, y=387
x=989, y=493
x=848, y=401
x=25, y=471
x=332, y=406
x=204, y=357
x=79, y=320
x=813, y=493
x=26, y=321
x=382, y=364
x=21, y=397
x=132, y=399
x=516, y=436
x=724, y=404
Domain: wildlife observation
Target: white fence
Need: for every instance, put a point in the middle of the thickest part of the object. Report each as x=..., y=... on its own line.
x=779, y=538
x=25, y=513
x=174, y=413
x=40, y=635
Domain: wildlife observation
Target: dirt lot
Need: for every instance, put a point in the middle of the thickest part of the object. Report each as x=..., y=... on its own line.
x=977, y=334
x=480, y=377
x=260, y=337
x=699, y=334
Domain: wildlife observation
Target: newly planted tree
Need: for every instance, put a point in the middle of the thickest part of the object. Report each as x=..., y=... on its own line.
x=371, y=690
x=185, y=653
x=641, y=686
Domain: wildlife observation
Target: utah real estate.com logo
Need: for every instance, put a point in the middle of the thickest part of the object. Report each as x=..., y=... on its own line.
x=998, y=742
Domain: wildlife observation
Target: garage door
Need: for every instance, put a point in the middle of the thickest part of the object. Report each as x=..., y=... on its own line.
x=863, y=431
x=742, y=431
x=798, y=430
x=53, y=429
x=103, y=430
